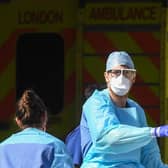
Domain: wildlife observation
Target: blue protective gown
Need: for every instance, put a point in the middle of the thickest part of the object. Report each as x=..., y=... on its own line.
x=33, y=148
x=120, y=136
x=73, y=143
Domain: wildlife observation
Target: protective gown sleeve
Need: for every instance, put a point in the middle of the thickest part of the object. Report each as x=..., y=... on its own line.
x=106, y=131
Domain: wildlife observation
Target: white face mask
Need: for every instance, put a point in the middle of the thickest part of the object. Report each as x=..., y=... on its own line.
x=120, y=85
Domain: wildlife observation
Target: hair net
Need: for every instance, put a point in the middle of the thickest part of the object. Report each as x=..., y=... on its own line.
x=119, y=58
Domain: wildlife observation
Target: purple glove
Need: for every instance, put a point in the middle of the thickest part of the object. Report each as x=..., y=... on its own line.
x=161, y=131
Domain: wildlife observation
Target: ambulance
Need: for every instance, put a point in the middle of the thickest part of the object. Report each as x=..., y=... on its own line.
x=59, y=49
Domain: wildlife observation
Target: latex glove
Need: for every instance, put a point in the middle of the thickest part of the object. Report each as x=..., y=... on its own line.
x=161, y=131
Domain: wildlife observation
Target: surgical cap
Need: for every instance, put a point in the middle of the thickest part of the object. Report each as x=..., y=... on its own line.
x=119, y=58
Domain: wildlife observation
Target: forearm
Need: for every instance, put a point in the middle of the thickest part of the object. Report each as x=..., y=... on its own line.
x=124, y=138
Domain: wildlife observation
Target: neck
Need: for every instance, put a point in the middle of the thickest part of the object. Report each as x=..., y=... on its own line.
x=32, y=126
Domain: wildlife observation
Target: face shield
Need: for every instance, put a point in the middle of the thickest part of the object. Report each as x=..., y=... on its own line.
x=128, y=73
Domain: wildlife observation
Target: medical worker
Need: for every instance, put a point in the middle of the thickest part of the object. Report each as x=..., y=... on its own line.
x=73, y=138
x=113, y=127
x=73, y=142
x=32, y=147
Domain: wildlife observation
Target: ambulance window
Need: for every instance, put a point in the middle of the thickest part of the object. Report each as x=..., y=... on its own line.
x=40, y=65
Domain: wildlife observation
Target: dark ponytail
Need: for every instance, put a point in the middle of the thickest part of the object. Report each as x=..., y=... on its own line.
x=30, y=109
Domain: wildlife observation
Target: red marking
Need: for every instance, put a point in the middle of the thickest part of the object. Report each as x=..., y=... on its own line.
x=8, y=49
x=70, y=85
x=87, y=78
x=153, y=111
x=69, y=36
x=7, y=106
x=100, y=42
x=7, y=53
x=149, y=45
x=146, y=97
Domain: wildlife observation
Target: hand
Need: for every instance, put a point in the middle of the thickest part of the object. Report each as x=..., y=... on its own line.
x=161, y=131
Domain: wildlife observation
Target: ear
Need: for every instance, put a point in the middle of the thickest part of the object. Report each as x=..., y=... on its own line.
x=18, y=122
x=44, y=119
x=134, y=79
x=106, y=77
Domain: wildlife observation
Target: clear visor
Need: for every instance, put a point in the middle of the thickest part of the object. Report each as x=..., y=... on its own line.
x=128, y=73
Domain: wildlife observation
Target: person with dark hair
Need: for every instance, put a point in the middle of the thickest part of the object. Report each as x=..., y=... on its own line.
x=73, y=138
x=32, y=147
x=73, y=142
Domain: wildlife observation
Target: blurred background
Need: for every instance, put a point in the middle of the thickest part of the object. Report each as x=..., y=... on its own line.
x=59, y=49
